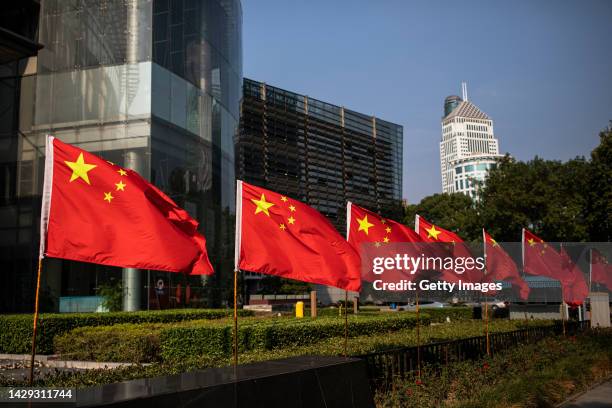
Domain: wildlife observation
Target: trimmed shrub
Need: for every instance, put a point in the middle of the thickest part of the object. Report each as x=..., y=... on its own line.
x=183, y=342
x=16, y=330
x=155, y=342
x=122, y=342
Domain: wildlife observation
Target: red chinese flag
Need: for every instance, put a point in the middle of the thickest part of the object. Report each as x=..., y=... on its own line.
x=281, y=236
x=574, y=286
x=455, y=247
x=501, y=267
x=367, y=227
x=95, y=211
x=539, y=258
x=601, y=270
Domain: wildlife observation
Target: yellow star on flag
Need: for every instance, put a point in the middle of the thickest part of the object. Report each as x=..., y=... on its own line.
x=364, y=224
x=377, y=244
x=120, y=186
x=494, y=242
x=531, y=242
x=80, y=168
x=433, y=232
x=108, y=197
x=283, y=199
x=122, y=172
x=388, y=229
x=291, y=208
x=282, y=226
x=262, y=205
x=386, y=240
x=291, y=220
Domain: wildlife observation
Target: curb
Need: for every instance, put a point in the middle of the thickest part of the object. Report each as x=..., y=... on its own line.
x=53, y=361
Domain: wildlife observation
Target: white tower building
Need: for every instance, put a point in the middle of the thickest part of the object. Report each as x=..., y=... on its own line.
x=468, y=148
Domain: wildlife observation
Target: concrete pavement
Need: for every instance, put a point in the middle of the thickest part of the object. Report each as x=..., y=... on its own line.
x=598, y=397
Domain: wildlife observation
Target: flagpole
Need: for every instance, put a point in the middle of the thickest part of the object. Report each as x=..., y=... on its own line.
x=44, y=221
x=237, y=247
x=563, y=308
x=35, y=326
x=346, y=323
x=348, y=231
x=484, y=241
x=523, y=262
x=235, y=318
x=590, y=288
x=418, y=333
x=487, y=326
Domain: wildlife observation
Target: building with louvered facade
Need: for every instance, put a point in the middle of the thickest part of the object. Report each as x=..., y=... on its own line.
x=319, y=153
x=468, y=149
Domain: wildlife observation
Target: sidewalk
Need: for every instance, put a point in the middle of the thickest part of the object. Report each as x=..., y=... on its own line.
x=598, y=397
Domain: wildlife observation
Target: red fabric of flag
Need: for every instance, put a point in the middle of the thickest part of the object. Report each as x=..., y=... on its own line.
x=450, y=244
x=540, y=258
x=501, y=267
x=574, y=286
x=373, y=236
x=601, y=270
x=283, y=237
x=95, y=211
x=366, y=226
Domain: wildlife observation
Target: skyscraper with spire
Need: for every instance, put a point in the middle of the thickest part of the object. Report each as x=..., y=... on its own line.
x=468, y=148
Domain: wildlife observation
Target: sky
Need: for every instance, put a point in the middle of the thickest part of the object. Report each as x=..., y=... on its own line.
x=542, y=70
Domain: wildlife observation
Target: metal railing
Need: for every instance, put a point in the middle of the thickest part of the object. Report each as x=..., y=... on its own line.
x=386, y=366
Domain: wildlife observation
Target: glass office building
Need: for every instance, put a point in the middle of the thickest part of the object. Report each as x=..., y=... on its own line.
x=319, y=153
x=153, y=85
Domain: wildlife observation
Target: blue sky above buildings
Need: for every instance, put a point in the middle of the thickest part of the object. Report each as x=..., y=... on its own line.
x=541, y=69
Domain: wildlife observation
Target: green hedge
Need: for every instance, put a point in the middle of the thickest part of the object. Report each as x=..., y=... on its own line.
x=182, y=342
x=152, y=342
x=16, y=330
x=134, y=343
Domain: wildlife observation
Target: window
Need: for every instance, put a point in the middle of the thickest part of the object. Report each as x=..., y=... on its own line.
x=469, y=168
x=458, y=170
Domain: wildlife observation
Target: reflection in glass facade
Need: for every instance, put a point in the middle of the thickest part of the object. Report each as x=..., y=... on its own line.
x=153, y=85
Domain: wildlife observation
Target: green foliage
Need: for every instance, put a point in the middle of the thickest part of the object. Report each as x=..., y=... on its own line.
x=133, y=343
x=331, y=346
x=112, y=293
x=600, y=189
x=182, y=342
x=172, y=342
x=549, y=197
x=536, y=375
x=16, y=330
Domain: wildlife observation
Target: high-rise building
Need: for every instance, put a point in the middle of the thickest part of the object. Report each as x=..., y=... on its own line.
x=468, y=149
x=152, y=85
x=319, y=153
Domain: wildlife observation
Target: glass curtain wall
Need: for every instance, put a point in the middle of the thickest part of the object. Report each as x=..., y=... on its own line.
x=153, y=85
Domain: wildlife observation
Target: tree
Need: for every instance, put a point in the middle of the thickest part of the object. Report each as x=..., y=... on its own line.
x=600, y=189
x=546, y=196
